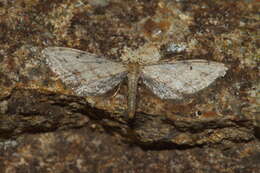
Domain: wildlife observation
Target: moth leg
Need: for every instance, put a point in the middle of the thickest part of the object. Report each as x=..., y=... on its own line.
x=117, y=90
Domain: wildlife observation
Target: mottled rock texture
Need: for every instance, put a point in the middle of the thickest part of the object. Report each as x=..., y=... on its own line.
x=44, y=127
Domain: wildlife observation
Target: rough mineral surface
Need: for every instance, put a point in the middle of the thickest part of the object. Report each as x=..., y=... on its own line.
x=45, y=128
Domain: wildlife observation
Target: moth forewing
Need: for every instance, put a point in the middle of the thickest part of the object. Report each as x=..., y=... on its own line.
x=86, y=73
x=173, y=81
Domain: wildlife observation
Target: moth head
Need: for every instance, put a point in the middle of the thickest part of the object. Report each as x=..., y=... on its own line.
x=147, y=54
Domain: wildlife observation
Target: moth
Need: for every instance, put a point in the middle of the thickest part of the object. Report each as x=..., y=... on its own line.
x=88, y=74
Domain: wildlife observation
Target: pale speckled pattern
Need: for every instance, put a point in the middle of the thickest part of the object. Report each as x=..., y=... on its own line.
x=86, y=73
x=172, y=81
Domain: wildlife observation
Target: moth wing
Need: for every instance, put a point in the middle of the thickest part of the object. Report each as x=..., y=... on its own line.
x=87, y=74
x=173, y=81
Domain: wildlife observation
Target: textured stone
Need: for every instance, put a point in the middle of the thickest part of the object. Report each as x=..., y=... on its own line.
x=213, y=130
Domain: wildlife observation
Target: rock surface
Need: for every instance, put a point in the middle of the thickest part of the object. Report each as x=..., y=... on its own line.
x=44, y=127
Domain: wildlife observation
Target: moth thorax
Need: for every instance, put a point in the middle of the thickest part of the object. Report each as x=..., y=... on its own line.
x=144, y=55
